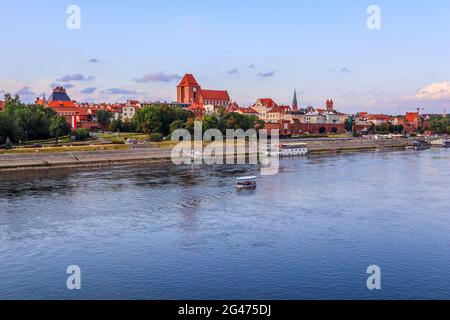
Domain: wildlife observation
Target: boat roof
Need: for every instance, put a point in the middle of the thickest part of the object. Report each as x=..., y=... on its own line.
x=247, y=178
x=295, y=144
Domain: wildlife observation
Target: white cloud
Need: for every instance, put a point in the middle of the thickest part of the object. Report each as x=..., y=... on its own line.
x=433, y=92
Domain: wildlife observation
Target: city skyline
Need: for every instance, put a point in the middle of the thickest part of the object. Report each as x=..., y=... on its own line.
x=321, y=53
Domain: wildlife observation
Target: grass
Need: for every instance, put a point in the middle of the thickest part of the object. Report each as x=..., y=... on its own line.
x=65, y=149
x=65, y=139
x=122, y=137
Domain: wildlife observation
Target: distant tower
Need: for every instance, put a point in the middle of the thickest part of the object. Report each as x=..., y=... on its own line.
x=330, y=105
x=189, y=91
x=295, y=102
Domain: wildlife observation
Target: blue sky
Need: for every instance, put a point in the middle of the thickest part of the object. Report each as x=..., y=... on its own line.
x=253, y=48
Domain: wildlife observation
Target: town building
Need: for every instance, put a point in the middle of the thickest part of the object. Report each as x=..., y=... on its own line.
x=263, y=106
x=198, y=110
x=59, y=98
x=190, y=92
x=2, y=106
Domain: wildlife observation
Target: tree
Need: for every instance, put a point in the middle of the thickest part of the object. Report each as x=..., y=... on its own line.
x=349, y=124
x=128, y=126
x=178, y=124
x=8, y=127
x=156, y=137
x=26, y=121
x=81, y=134
x=104, y=117
x=440, y=124
x=59, y=127
x=157, y=118
x=8, y=143
x=115, y=125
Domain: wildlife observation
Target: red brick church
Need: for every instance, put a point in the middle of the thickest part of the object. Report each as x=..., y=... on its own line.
x=190, y=92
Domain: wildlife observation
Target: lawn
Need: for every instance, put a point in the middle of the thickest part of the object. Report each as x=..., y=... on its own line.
x=122, y=137
x=65, y=139
x=65, y=149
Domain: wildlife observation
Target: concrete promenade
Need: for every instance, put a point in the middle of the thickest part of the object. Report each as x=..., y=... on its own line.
x=30, y=161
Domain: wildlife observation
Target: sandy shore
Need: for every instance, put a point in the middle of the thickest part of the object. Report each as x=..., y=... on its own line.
x=43, y=161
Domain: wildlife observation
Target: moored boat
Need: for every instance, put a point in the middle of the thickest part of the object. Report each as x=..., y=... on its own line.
x=442, y=143
x=421, y=145
x=246, y=183
x=294, y=149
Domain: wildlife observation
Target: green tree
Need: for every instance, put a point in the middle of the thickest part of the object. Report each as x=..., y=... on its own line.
x=178, y=124
x=59, y=127
x=104, y=117
x=115, y=125
x=128, y=126
x=26, y=121
x=440, y=124
x=8, y=143
x=157, y=118
x=156, y=137
x=81, y=134
x=8, y=127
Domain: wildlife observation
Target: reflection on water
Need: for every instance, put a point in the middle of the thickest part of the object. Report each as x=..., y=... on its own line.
x=161, y=231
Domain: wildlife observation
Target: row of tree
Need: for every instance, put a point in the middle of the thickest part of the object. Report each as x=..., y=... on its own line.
x=21, y=123
x=164, y=120
x=440, y=124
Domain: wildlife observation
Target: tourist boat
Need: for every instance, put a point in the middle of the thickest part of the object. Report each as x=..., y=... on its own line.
x=446, y=143
x=421, y=145
x=443, y=143
x=294, y=149
x=246, y=183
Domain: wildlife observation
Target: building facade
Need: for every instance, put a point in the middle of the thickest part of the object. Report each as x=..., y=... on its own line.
x=190, y=92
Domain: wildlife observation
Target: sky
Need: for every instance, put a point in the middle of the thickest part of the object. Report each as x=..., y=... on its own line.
x=139, y=49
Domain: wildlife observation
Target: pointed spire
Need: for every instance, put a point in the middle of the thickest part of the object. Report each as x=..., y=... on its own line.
x=295, y=102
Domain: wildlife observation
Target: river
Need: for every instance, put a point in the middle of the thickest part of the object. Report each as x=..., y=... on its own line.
x=169, y=232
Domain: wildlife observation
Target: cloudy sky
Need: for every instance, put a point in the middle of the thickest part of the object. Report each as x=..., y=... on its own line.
x=253, y=48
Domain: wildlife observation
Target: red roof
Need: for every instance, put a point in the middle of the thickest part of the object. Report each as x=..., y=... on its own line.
x=2, y=105
x=412, y=117
x=215, y=95
x=196, y=106
x=66, y=110
x=233, y=106
x=381, y=117
x=68, y=104
x=268, y=102
x=278, y=109
x=248, y=111
x=188, y=80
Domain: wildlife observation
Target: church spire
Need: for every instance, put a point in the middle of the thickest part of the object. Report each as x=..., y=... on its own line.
x=295, y=102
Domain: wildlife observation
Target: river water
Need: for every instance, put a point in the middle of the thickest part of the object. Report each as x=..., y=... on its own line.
x=167, y=232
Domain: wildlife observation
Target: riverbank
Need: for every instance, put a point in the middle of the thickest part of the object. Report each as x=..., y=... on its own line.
x=150, y=154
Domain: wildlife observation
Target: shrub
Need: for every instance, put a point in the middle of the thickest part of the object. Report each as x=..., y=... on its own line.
x=156, y=137
x=8, y=143
x=81, y=134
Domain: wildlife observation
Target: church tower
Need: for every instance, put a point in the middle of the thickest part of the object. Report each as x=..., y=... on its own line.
x=295, y=102
x=330, y=105
x=189, y=91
